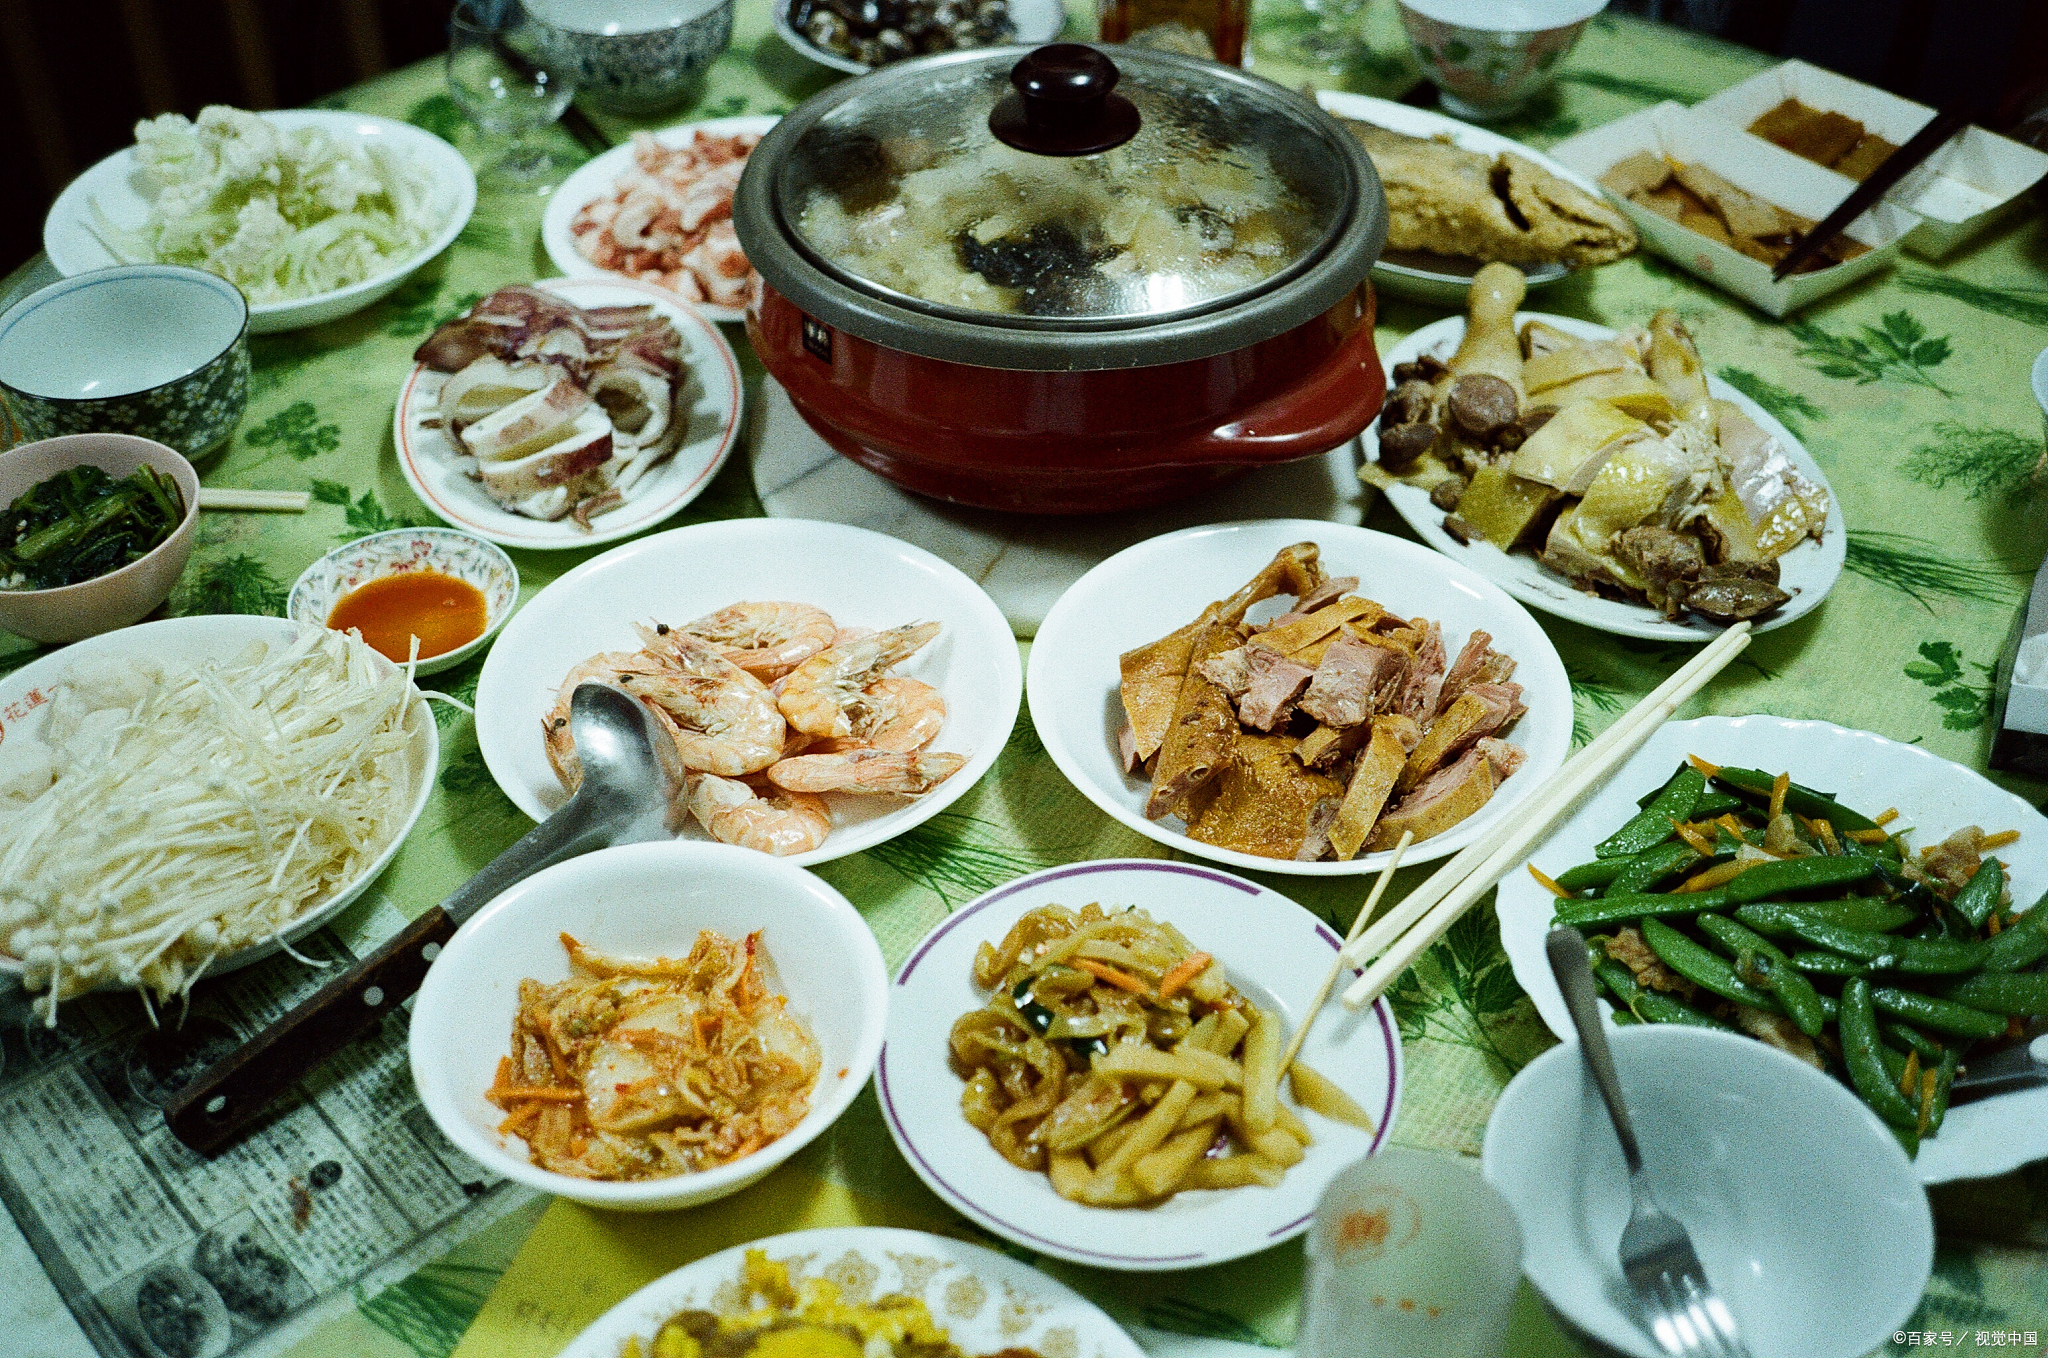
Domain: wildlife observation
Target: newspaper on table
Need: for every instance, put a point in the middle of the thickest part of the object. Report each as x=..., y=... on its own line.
x=159, y=1253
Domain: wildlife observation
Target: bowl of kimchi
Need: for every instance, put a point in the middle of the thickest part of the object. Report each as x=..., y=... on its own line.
x=652, y=1026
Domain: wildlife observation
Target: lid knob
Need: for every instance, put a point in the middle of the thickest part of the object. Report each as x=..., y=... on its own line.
x=1065, y=103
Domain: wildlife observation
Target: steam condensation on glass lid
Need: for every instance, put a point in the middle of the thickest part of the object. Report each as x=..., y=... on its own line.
x=914, y=195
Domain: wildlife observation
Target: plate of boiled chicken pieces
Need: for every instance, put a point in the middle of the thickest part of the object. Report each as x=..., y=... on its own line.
x=1295, y=696
x=567, y=413
x=1602, y=476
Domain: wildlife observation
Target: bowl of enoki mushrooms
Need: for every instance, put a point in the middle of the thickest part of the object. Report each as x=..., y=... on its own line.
x=185, y=797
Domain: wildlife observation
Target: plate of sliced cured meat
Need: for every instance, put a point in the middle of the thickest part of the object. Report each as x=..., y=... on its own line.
x=659, y=210
x=567, y=413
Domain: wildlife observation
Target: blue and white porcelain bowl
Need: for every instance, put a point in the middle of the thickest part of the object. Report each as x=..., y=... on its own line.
x=638, y=56
x=151, y=349
x=464, y=556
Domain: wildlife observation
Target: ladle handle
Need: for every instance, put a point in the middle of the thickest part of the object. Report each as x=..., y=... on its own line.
x=216, y=1109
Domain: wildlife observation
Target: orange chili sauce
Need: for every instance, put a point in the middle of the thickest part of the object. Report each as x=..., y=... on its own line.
x=440, y=610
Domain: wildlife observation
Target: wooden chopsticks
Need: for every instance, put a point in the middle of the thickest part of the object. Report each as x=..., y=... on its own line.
x=273, y=501
x=1338, y=963
x=1889, y=171
x=1416, y=922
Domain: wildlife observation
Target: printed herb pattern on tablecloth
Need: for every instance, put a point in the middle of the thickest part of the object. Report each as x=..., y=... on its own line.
x=1985, y=462
x=2015, y=302
x=1599, y=695
x=957, y=857
x=430, y=1311
x=297, y=431
x=365, y=515
x=1964, y=703
x=1463, y=992
x=1177, y=1315
x=236, y=584
x=1788, y=407
x=1899, y=351
x=1917, y=567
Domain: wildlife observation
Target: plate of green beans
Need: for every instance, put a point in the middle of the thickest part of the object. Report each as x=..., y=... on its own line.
x=1864, y=905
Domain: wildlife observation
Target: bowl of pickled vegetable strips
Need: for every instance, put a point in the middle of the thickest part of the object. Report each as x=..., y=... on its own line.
x=96, y=531
x=1863, y=906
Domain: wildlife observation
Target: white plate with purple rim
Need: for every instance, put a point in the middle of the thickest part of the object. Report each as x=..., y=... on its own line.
x=985, y=1300
x=1807, y=572
x=709, y=403
x=1864, y=771
x=1273, y=950
x=1146, y=591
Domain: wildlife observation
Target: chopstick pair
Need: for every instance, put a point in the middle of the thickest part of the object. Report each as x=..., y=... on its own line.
x=1889, y=171
x=1416, y=922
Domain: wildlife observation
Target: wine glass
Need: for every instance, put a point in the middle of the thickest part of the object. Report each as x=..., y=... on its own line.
x=507, y=72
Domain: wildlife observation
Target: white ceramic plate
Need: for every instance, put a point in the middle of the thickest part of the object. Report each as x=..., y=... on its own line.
x=1867, y=772
x=192, y=641
x=1219, y=912
x=598, y=177
x=1146, y=591
x=860, y=578
x=977, y=1294
x=1807, y=572
x=1037, y=21
x=646, y=900
x=433, y=467
x=1430, y=285
x=72, y=246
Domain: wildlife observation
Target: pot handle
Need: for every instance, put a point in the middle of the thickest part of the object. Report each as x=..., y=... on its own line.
x=1275, y=430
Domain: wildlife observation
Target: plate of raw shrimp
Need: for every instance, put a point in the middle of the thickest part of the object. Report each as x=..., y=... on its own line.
x=827, y=687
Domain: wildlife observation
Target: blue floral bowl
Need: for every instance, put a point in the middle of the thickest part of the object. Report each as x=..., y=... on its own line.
x=150, y=349
x=638, y=56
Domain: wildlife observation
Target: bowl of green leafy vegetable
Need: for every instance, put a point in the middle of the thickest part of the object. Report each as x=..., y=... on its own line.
x=97, y=529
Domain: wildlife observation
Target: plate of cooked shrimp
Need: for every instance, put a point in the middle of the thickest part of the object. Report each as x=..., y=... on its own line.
x=826, y=687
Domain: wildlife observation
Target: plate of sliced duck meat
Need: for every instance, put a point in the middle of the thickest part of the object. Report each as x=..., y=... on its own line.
x=1601, y=475
x=1295, y=696
x=567, y=413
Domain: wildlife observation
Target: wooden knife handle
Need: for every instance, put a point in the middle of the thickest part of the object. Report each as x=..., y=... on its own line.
x=214, y=1110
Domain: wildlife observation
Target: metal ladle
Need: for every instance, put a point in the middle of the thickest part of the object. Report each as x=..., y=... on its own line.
x=632, y=791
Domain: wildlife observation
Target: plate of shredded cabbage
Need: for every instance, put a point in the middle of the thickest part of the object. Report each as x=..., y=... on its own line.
x=312, y=214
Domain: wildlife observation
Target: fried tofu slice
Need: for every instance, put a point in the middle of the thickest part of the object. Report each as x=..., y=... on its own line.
x=1372, y=781
x=1151, y=675
x=1203, y=727
x=1264, y=802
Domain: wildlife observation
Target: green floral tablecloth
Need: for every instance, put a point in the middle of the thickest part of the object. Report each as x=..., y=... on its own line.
x=1910, y=389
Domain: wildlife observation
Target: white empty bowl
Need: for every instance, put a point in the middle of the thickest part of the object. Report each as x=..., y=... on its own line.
x=646, y=900
x=1806, y=1213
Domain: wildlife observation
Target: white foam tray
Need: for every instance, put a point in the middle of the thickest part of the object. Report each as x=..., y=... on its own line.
x=1752, y=164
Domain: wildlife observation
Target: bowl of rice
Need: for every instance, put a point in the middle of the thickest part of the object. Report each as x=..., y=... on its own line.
x=312, y=213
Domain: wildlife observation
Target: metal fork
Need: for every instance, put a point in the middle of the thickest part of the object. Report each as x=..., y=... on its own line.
x=1674, y=1300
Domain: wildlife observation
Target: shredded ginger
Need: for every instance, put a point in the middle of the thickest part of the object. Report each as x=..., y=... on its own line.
x=281, y=213
x=165, y=817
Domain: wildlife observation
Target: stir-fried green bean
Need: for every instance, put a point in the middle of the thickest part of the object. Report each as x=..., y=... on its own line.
x=1889, y=963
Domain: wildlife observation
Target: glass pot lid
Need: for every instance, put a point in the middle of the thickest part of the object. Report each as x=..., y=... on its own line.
x=1123, y=190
